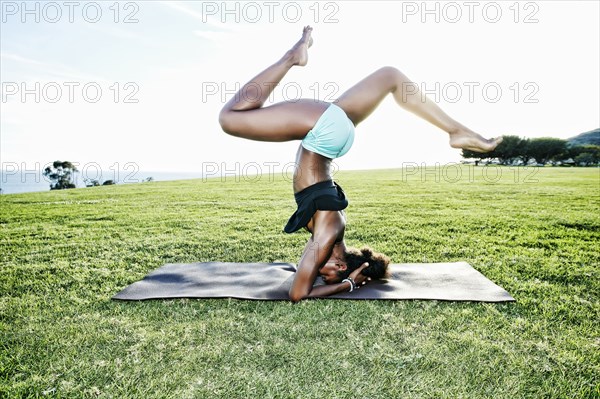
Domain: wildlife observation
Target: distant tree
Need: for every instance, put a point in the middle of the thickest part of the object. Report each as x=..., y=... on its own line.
x=584, y=159
x=108, y=183
x=525, y=151
x=509, y=149
x=478, y=156
x=91, y=182
x=541, y=149
x=570, y=152
x=586, y=154
x=148, y=179
x=544, y=149
x=60, y=175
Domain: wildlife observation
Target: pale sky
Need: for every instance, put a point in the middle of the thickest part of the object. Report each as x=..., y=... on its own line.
x=181, y=61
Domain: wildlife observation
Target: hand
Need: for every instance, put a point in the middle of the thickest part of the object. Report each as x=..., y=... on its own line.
x=359, y=278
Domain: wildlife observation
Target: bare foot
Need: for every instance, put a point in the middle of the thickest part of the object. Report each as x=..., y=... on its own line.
x=472, y=141
x=299, y=53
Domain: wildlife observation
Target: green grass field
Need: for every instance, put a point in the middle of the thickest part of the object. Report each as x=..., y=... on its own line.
x=535, y=232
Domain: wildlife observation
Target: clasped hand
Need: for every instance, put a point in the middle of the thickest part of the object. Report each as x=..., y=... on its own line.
x=359, y=278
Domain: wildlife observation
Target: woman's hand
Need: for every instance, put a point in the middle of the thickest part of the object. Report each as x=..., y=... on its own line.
x=359, y=278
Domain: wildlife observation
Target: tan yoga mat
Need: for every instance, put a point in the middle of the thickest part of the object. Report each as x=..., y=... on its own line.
x=456, y=281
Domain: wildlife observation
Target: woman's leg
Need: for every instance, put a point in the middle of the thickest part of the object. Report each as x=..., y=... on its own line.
x=243, y=116
x=361, y=99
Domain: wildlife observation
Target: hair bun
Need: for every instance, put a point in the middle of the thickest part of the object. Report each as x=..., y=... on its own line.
x=378, y=263
x=367, y=252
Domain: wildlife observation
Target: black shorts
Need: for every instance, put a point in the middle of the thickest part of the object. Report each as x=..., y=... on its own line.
x=325, y=196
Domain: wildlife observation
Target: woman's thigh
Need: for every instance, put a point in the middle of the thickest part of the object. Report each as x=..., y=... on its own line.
x=283, y=121
x=360, y=100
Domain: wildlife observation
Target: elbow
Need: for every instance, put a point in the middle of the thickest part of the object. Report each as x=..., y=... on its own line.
x=226, y=121
x=296, y=296
x=223, y=120
x=295, y=299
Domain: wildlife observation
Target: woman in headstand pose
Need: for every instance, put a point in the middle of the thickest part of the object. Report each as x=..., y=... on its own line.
x=327, y=132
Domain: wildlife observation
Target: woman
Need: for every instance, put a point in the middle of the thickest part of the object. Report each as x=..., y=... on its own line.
x=327, y=132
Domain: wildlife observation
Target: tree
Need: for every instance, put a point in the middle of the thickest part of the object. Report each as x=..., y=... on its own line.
x=586, y=154
x=525, y=151
x=478, y=156
x=91, y=182
x=541, y=149
x=108, y=183
x=60, y=175
x=544, y=149
x=509, y=149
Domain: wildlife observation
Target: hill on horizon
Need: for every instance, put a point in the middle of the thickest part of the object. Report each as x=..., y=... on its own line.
x=591, y=137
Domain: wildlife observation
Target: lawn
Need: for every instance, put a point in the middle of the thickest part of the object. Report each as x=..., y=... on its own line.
x=535, y=232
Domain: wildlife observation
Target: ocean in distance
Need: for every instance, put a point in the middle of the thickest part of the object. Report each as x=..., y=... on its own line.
x=15, y=182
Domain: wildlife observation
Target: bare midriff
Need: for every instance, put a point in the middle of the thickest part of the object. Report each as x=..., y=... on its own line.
x=311, y=168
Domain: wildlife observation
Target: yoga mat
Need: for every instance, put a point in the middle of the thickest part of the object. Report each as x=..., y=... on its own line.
x=271, y=281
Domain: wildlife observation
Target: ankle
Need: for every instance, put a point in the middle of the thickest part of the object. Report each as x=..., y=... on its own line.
x=288, y=59
x=459, y=129
x=453, y=130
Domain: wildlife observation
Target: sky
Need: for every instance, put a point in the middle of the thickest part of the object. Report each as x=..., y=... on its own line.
x=139, y=84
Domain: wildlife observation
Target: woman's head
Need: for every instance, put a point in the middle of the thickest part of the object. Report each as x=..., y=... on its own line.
x=354, y=258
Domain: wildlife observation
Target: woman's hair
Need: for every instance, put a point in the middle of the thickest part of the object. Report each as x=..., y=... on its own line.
x=378, y=263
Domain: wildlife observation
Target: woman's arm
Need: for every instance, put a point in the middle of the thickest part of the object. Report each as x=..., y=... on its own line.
x=328, y=227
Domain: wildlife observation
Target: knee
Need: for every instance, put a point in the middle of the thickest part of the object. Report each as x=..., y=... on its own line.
x=389, y=71
x=395, y=76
